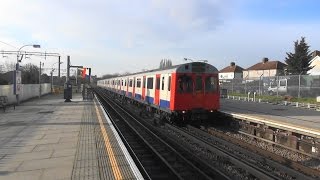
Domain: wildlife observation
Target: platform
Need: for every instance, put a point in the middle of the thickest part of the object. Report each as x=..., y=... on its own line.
x=299, y=120
x=49, y=139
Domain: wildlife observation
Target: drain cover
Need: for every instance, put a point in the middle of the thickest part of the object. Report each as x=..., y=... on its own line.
x=45, y=112
x=279, y=109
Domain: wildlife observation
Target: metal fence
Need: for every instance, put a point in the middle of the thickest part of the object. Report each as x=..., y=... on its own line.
x=295, y=85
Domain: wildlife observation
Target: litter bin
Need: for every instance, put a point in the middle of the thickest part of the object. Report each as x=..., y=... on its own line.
x=67, y=92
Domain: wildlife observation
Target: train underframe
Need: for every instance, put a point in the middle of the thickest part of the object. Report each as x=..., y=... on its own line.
x=160, y=115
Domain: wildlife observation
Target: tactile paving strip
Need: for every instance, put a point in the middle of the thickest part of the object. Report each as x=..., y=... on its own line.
x=86, y=161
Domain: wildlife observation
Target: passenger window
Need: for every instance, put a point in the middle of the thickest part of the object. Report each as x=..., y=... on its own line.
x=283, y=83
x=162, y=84
x=198, y=83
x=158, y=83
x=125, y=82
x=150, y=83
x=169, y=83
x=130, y=83
x=138, y=83
x=144, y=82
x=210, y=84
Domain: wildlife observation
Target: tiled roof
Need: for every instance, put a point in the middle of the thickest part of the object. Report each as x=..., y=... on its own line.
x=234, y=68
x=267, y=65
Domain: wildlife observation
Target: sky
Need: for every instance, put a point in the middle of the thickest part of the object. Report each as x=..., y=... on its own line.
x=128, y=36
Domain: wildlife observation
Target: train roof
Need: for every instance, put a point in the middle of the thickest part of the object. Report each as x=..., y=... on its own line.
x=196, y=67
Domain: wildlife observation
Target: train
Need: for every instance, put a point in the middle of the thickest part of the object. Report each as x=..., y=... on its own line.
x=180, y=93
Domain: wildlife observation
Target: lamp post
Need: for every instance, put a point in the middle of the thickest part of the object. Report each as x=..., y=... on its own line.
x=40, y=78
x=17, y=67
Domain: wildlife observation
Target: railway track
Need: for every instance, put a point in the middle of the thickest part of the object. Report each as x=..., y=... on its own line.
x=156, y=158
x=229, y=160
x=247, y=158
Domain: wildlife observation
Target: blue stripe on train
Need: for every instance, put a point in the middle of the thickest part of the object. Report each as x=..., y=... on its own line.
x=130, y=94
x=138, y=96
x=164, y=103
x=149, y=99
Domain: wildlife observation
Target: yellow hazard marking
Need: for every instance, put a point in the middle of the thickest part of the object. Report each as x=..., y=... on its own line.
x=114, y=164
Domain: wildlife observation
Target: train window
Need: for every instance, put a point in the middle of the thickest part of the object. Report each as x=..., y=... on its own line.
x=210, y=84
x=150, y=83
x=158, y=83
x=198, y=83
x=138, y=83
x=122, y=82
x=130, y=83
x=144, y=82
x=125, y=82
x=169, y=83
x=162, y=84
x=185, y=84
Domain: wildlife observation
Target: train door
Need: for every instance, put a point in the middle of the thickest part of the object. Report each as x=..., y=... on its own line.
x=143, y=94
x=150, y=90
x=164, y=97
x=157, y=90
x=127, y=84
x=134, y=88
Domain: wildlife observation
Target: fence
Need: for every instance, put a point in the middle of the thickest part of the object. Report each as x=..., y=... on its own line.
x=28, y=91
x=295, y=85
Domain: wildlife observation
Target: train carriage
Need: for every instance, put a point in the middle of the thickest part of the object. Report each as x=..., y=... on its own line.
x=183, y=92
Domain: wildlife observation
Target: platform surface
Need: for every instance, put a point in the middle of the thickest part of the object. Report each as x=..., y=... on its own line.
x=286, y=115
x=49, y=139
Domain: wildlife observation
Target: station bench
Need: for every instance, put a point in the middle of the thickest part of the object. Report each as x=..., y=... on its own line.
x=3, y=102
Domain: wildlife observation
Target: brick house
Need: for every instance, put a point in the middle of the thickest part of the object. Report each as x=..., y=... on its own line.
x=231, y=72
x=315, y=63
x=265, y=68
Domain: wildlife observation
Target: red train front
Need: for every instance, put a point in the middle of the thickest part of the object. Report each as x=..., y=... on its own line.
x=195, y=92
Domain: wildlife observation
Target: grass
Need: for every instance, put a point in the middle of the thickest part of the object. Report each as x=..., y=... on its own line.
x=279, y=98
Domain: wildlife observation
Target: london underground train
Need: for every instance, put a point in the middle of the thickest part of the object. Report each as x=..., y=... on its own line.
x=178, y=93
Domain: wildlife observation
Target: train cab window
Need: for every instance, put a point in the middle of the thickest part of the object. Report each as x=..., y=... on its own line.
x=150, y=83
x=144, y=82
x=162, y=84
x=169, y=83
x=130, y=83
x=138, y=83
x=158, y=83
x=198, y=83
x=185, y=84
x=210, y=84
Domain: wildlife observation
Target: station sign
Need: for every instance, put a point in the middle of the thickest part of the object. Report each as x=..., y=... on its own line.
x=17, y=83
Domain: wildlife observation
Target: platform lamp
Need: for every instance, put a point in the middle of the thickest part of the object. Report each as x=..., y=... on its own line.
x=18, y=78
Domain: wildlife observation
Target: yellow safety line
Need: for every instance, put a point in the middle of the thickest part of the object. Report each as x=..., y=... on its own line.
x=114, y=164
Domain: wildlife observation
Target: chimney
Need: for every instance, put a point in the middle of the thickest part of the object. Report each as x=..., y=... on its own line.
x=264, y=60
x=315, y=53
x=232, y=64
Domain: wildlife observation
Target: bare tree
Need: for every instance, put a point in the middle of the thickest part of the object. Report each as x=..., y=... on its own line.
x=165, y=63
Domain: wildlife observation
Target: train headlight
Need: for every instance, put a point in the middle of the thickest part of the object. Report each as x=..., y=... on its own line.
x=211, y=110
x=183, y=112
